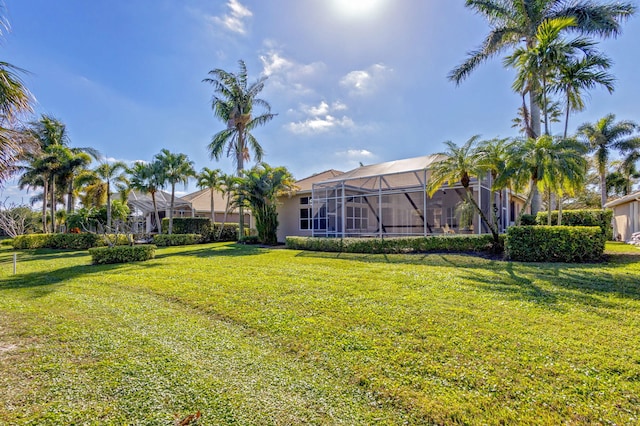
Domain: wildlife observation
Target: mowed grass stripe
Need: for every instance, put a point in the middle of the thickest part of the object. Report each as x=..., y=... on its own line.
x=440, y=338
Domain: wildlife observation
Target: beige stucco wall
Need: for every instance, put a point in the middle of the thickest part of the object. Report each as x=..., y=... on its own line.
x=289, y=217
x=626, y=220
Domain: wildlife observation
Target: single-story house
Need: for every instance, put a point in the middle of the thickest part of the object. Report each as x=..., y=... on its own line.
x=388, y=199
x=197, y=204
x=626, y=216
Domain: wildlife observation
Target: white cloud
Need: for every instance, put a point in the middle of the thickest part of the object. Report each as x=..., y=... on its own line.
x=235, y=20
x=356, y=154
x=287, y=75
x=319, y=119
x=365, y=82
x=319, y=125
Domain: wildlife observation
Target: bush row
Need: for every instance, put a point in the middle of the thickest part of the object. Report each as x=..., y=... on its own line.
x=436, y=243
x=585, y=217
x=202, y=226
x=122, y=254
x=554, y=243
x=165, y=240
x=65, y=241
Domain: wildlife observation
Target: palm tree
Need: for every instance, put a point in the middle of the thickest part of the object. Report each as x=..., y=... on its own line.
x=604, y=136
x=15, y=102
x=459, y=165
x=492, y=156
x=147, y=178
x=515, y=23
x=211, y=179
x=108, y=174
x=176, y=168
x=546, y=162
x=52, y=139
x=260, y=188
x=578, y=75
x=233, y=103
x=75, y=161
x=537, y=65
x=229, y=187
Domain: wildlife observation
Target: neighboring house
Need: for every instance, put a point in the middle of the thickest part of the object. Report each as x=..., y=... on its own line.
x=197, y=204
x=388, y=199
x=142, y=205
x=201, y=205
x=626, y=216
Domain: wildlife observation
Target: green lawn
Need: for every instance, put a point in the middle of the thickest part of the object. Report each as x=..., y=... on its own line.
x=255, y=336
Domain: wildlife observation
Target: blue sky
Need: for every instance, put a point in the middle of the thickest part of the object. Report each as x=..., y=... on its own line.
x=351, y=80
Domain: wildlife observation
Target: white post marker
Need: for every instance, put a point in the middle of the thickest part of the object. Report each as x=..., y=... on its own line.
x=15, y=259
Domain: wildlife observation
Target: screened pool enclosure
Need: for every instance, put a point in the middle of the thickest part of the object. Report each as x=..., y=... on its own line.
x=389, y=199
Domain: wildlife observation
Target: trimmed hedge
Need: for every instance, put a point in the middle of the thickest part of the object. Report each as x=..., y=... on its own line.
x=166, y=240
x=554, y=243
x=202, y=226
x=122, y=254
x=187, y=225
x=435, y=243
x=585, y=217
x=64, y=241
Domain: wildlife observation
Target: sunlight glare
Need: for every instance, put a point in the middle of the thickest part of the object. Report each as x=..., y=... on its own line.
x=357, y=8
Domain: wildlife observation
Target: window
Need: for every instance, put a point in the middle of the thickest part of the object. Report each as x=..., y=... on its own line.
x=357, y=214
x=305, y=213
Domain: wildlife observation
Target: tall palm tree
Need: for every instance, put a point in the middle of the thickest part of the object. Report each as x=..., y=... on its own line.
x=537, y=65
x=260, y=188
x=546, y=162
x=52, y=139
x=233, y=103
x=108, y=174
x=458, y=165
x=147, y=178
x=75, y=161
x=212, y=180
x=607, y=135
x=515, y=23
x=577, y=75
x=176, y=168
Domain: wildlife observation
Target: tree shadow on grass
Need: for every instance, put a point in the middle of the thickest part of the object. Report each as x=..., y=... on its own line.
x=217, y=250
x=562, y=283
x=45, y=282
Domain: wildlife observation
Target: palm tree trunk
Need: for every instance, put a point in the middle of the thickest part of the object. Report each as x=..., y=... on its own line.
x=560, y=210
x=52, y=195
x=173, y=192
x=213, y=212
x=566, y=117
x=45, y=195
x=70, y=198
x=155, y=209
x=603, y=187
x=549, y=207
x=483, y=217
x=526, y=202
x=108, y=207
x=240, y=163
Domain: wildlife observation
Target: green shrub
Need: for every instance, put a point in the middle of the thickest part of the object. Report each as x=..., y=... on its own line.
x=554, y=243
x=436, y=243
x=6, y=242
x=585, y=217
x=250, y=239
x=165, y=240
x=187, y=225
x=122, y=254
x=66, y=241
x=528, y=219
x=212, y=233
